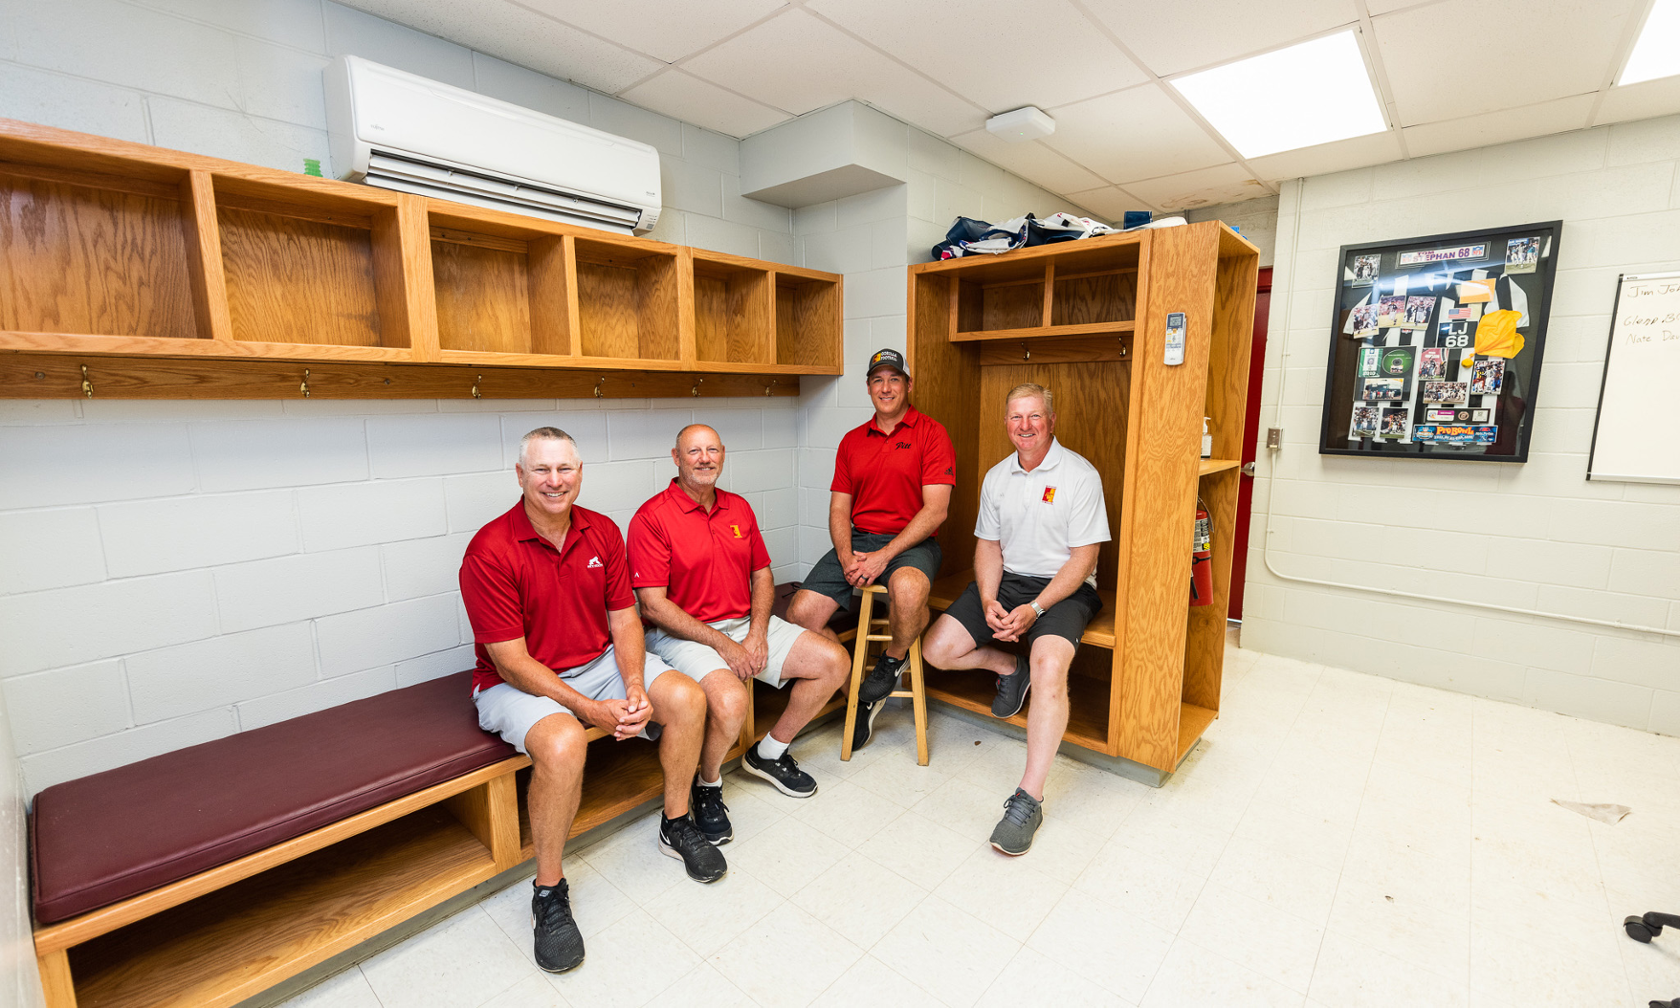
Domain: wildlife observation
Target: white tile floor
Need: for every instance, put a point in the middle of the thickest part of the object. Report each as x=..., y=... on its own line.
x=1336, y=840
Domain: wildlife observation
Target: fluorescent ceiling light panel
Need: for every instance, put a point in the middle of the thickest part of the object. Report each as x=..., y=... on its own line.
x=1656, y=53
x=1304, y=95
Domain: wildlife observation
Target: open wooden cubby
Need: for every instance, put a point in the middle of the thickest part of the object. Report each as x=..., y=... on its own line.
x=499, y=288
x=627, y=301
x=104, y=249
x=113, y=251
x=316, y=268
x=1063, y=289
x=807, y=319
x=733, y=310
x=1073, y=317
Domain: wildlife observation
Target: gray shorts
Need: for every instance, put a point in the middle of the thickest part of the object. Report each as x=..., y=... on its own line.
x=696, y=660
x=511, y=712
x=826, y=578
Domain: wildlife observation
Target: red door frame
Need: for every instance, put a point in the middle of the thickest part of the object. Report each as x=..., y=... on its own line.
x=1251, y=438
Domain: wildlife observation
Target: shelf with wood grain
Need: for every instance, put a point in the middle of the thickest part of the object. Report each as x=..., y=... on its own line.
x=113, y=253
x=1147, y=684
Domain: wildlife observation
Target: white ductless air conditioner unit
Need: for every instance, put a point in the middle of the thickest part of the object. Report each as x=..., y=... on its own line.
x=398, y=131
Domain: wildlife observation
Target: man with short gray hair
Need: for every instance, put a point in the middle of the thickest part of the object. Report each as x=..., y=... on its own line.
x=1041, y=522
x=560, y=650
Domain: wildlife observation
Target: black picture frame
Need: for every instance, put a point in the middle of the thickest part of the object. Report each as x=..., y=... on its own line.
x=1519, y=267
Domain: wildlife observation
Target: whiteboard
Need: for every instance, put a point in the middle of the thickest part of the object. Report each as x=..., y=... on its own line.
x=1634, y=440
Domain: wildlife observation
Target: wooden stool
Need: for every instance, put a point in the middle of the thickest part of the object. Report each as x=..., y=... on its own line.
x=913, y=665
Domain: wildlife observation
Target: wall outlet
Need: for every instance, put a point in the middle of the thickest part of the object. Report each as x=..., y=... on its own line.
x=1274, y=437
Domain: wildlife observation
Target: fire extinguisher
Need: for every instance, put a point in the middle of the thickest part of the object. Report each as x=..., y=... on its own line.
x=1201, y=558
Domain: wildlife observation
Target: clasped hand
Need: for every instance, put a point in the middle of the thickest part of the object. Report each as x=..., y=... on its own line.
x=748, y=658
x=623, y=718
x=864, y=568
x=1009, y=624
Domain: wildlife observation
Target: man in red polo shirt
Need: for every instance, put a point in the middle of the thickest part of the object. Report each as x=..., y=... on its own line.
x=892, y=485
x=702, y=574
x=560, y=647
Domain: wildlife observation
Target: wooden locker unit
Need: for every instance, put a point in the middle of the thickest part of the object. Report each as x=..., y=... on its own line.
x=1087, y=319
x=173, y=275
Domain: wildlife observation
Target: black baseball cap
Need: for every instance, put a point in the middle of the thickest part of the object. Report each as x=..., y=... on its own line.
x=886, y=358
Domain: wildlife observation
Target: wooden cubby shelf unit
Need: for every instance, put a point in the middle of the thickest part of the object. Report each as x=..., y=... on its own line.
x=114, y=252
x=1087, y=319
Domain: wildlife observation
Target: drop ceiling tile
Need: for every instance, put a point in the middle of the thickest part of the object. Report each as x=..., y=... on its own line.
x=1499, y=127
x=1171, y=37
x=1226, y=183
x=1109, y=202
x=703, y=103
x=1031, y=160
x=1135, y=134
x=1645, y=100
x=667, y=29
x=521, y=36
x=800, y=63
x=1463, y=57
x=1358, y=152
x=964, y=44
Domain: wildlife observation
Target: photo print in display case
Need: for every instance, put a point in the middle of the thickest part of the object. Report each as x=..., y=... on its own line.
x=1436, y=344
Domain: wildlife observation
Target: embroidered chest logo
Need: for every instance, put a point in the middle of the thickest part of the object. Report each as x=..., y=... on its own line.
x=1049, y=495
x=736, y=529
x=902, y=444
x=593, y=563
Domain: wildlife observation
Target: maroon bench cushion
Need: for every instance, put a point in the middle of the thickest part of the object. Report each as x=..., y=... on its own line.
x=112, y=835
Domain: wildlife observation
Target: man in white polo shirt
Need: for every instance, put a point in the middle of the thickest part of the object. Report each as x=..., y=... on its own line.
x=1041, y=523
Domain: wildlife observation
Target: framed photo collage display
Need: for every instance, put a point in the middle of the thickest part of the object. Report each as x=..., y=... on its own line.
x=1436, y=344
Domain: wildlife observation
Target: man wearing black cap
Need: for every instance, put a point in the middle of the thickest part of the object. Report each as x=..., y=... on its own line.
x=892, y=485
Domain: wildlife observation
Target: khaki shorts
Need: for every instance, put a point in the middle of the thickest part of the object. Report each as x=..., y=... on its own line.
x=510, y=712
x=696, y=660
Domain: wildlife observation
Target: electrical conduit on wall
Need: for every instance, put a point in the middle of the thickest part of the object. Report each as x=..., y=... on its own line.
x=1277, y=414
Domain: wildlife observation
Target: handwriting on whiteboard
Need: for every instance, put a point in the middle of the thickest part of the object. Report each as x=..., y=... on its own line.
x=1649, y=326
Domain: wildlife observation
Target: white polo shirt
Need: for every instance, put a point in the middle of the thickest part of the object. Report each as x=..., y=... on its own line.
x=1039, y=516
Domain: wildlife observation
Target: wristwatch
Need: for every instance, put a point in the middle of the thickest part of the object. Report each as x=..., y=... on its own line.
x=1037, y=609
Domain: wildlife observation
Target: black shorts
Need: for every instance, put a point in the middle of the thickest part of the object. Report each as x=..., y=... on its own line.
x=826, y=578
x=1066, y=619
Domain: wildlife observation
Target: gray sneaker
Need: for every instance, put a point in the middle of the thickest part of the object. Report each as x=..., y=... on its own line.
x=1013, y=835
x=1012, y=689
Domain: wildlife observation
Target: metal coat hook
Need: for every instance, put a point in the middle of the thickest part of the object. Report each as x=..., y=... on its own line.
x=598, y=383
x=305, y=386
x=770, y=386
x=695, y=391
x=476, y=394
x=87, y=383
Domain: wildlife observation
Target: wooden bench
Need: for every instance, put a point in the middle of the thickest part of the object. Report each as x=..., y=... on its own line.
x=205, y=876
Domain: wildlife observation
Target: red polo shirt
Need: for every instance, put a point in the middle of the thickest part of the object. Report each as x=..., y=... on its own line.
x=885, y=473
x=704, y=561
x=516, y=584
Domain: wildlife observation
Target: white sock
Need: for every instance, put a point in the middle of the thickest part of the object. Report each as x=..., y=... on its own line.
x=769, y=748
x=712, y=783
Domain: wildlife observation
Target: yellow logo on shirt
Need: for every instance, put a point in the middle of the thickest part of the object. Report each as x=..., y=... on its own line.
x=1049, y=495
x=737, y=530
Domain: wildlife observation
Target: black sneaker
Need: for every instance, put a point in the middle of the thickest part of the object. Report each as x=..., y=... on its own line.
x=781, y=771
x=1012, y=690
x=1013, y=835
x=679, y=838
x=864, y=730
x=559, y=944
x=711, y=815
x=881, y=679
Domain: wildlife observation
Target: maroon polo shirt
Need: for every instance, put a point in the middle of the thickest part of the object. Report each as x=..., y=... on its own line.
x=704, y=561
x=516, y=584
x=885, y=473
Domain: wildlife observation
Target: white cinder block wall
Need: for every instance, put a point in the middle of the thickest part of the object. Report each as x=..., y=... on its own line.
x=1535, y=536
x=20, y=982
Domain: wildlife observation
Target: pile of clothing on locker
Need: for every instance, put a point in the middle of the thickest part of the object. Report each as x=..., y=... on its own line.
x=976, y=237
